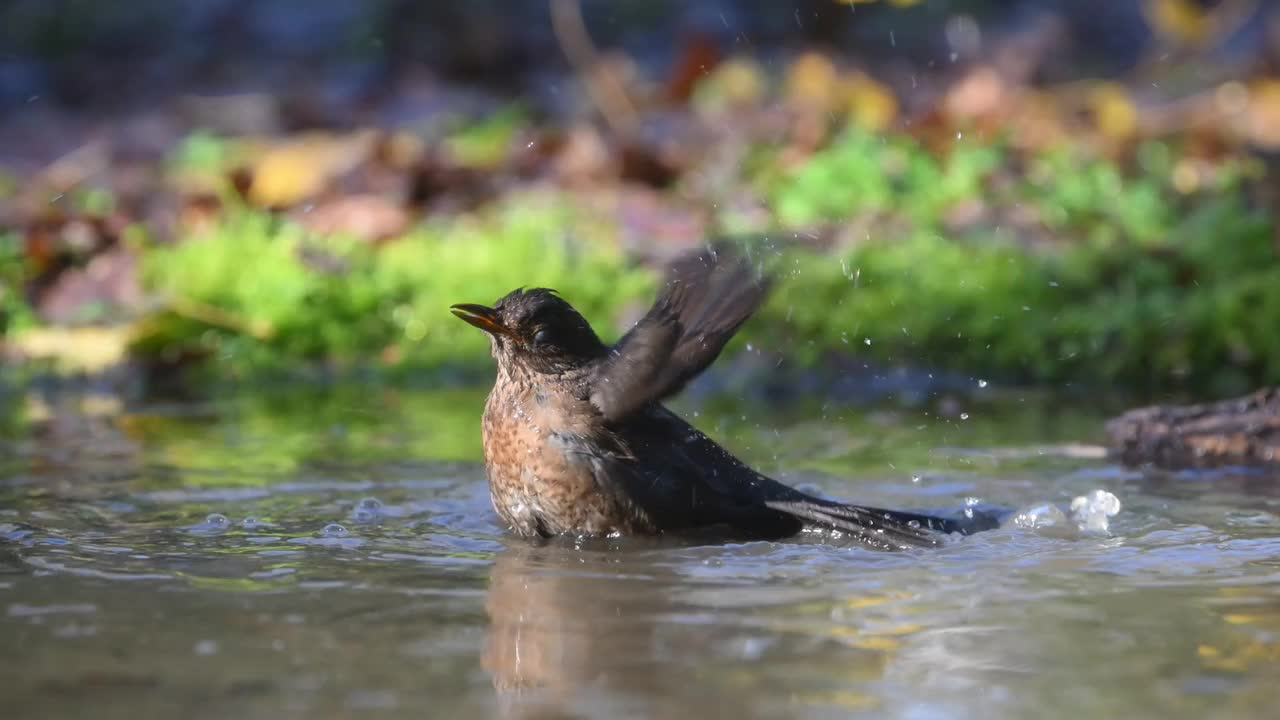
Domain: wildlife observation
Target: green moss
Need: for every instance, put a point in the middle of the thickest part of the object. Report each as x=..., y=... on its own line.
x=866, y=173
x=1138, y=283
x=486, y=143
x=15, y=314
x=1198, y=312
x=201, y=152
x=258, y=292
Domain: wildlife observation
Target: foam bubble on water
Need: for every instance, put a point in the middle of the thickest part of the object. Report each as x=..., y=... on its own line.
x=334, y=530
x=1039, y=517
x=1092, y=512
x=213, y=524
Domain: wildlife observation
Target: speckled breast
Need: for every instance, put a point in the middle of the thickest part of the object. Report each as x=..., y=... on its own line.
x=537, y=487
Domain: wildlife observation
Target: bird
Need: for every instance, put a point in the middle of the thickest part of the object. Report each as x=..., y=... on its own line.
x=578, y=442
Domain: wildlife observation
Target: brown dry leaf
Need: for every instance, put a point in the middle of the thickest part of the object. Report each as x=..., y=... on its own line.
x=584, y=158
x=199, y=214
x=980, y=93
x=107, y=284
x=370, y=217
x=699, y=55
x=299, y=169
x=1036, y=121
x=400, y=150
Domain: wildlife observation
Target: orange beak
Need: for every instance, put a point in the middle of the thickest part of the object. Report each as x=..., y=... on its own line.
x=485, y=318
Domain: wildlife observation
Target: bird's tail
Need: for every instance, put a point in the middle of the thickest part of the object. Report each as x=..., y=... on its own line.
x=889, y=529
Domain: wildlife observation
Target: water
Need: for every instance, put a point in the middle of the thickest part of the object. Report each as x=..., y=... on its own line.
x=335, y=555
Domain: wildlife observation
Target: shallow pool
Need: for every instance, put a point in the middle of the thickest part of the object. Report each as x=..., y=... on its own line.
x=334, y=554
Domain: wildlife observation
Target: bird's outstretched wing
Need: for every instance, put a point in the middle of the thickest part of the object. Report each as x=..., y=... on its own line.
x=707, y=296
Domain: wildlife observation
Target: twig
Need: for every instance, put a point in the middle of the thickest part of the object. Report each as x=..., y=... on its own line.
x=217, y=317
x=608, y=94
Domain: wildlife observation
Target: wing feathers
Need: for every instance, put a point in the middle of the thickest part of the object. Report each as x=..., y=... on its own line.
x=707, y=296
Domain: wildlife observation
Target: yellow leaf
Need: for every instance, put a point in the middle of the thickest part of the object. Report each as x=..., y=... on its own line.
x=86, y=349
x=1113, y=110
x=872, y=105
x=812, y=81
x=1264, y=114
x=876, y=642
x=734, y=83
x=296, y=170
x=1182, y=20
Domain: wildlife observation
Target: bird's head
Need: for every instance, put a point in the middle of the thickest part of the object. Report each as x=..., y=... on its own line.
x=534, y=330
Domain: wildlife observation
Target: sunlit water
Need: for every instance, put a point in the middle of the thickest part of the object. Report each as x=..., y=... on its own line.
x=337, y=556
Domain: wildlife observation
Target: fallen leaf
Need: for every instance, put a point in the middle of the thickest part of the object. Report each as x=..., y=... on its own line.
x=1113, y=111
x=107, y=286
x=735, y=85
x=86, y=349
x=370, y=217
x=1263, y=125
x=812, y=83
x=300, y=169
x=872, y=104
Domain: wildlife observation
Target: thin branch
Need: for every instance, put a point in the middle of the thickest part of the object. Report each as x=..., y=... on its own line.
x=608, y=94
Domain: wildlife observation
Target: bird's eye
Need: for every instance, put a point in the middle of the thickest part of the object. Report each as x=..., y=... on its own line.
x=542, y=337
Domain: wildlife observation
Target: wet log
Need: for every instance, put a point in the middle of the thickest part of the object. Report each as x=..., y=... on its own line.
x=1240, y=431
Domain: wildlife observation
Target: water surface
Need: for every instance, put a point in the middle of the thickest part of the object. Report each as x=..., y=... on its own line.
x=334, y=554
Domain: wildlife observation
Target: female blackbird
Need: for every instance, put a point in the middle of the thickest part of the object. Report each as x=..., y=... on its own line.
x=577, y=441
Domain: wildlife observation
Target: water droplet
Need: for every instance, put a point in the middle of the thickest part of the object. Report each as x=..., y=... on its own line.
x=982, y=383
x=867, y=341
x=250, y=522
x=334, y=530
x=370, y=503
x=915, y=478
x=964, y=416
x=217, y=521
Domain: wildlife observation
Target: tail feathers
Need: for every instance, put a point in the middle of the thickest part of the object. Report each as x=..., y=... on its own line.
x=889, y=529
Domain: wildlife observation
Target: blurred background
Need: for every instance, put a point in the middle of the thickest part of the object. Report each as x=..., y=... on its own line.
x=1045, y=192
